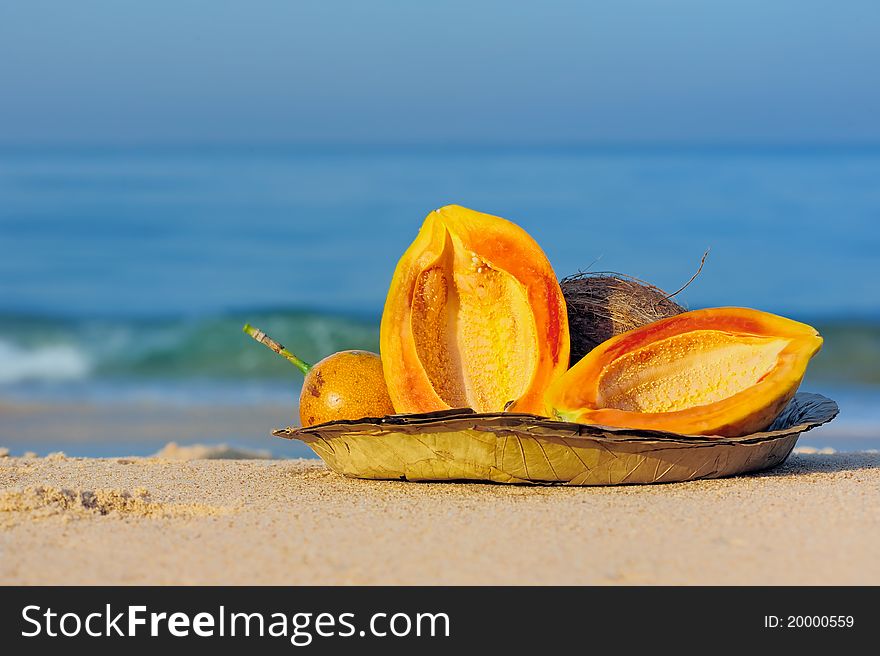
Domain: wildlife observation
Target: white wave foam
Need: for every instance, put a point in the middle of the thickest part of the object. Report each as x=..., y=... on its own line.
x=51, y=362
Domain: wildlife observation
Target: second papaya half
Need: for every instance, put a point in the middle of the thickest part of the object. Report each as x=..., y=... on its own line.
x=720, y=371
x=474, y=318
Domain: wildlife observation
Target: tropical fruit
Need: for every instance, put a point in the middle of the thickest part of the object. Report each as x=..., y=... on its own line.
x=474, y=318
x=602, y=305
x=344, y=385
x=720, y=371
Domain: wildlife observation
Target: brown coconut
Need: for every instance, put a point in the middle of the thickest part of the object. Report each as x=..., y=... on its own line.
x=602, y=305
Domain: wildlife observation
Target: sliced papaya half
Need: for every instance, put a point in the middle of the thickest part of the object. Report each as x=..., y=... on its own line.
x=721, y=371
x=474, y=318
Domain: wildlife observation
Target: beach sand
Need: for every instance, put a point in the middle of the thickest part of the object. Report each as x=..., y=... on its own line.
x=128, y=428
x=815, y=520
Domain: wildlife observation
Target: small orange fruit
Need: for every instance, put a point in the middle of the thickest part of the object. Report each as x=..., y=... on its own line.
x=345, y=385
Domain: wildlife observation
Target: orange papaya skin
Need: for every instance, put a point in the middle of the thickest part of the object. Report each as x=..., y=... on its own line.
x=720, y=371
x=474, y=318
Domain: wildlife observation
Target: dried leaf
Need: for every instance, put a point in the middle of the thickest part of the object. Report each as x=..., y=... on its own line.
x=518, y=448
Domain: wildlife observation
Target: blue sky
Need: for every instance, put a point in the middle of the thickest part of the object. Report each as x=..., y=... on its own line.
x=386, y=70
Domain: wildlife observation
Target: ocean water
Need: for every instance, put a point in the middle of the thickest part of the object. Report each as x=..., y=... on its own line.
x=126, y=273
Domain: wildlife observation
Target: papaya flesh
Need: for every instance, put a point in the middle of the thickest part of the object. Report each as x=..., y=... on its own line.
x=474, y=318
x=720, y=371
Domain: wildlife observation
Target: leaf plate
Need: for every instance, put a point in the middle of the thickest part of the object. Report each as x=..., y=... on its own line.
x=461, y=445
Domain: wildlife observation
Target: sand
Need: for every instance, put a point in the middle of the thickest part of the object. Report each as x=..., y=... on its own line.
x=815, y=520
x=129, y=428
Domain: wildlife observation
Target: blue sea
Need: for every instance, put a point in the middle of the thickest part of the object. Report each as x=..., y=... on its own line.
x=127, y=272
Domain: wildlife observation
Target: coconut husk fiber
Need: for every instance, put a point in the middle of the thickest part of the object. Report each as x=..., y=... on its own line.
x=603, y=304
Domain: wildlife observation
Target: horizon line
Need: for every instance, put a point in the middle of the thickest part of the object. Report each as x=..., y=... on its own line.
x=830, y=316
x=608, y=145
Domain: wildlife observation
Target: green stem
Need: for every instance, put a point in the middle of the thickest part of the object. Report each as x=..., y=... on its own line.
x=267, y=341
